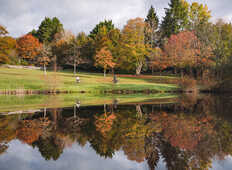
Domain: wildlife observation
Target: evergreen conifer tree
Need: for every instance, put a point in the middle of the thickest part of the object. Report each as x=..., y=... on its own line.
x=151, y=29
x=176, y=18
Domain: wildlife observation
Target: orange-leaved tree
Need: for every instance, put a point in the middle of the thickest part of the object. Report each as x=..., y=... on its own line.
x=7, y=49
x=183, y=49
x=28, y=47
x=159, y=60
x=104, y=59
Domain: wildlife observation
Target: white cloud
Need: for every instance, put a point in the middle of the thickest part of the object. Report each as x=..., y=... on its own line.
x=20, y=16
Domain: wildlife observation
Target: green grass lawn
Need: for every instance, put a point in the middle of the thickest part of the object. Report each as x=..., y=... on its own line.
x=9, y=103
x=14, y=79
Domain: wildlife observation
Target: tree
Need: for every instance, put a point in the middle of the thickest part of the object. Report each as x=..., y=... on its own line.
x=44, y=57
x=47, y=29
x=183, y=49
x=151, y=28
x=198, y=15
x=176, y=18
x=67, y=49
x=104, y=59
x=222, y=48
x=107, y=24
x=7, y=49
x=133, y=49
x=3, y=31
x=158, y=59
x=85, y=48
x=28, y=47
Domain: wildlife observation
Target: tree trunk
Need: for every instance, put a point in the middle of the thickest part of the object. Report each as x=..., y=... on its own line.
x=45, y=70
x=74, y=68
x=139, y=68
x=182, y=74
x=139, y=111
x=104, y=72
x=152, y=70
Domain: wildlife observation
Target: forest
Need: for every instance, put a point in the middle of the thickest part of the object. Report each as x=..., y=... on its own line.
x=185, y=42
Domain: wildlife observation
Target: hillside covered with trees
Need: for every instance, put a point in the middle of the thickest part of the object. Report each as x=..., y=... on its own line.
x=183, y=42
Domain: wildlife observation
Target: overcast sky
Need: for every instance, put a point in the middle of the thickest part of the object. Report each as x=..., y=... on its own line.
x=21, y=16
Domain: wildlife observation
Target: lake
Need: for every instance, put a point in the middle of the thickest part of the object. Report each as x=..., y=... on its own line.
x=116, y=132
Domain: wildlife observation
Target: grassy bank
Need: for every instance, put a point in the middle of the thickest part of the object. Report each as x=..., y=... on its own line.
x=10, y=103
x=24, y=79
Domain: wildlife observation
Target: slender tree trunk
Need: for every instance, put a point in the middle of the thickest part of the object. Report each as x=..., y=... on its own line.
x=152, y=69
x=74, y=68
x=182, y=74
x=55, y=65
x=45, y=112
x=74, y=111
x=45, y=70
x=104, y=72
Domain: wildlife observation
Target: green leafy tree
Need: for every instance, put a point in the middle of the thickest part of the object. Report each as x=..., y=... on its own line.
x=222, y=41
x=176, y=18
x=198, y=14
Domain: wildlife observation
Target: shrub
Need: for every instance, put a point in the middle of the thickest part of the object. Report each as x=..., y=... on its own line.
x=188, y=84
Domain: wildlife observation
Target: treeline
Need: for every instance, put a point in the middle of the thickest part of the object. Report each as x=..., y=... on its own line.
x=185, y=42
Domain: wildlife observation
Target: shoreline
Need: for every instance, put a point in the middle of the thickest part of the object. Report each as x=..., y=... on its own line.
x=124, y=91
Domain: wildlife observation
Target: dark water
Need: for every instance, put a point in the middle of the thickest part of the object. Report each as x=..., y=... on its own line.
x=192, y=133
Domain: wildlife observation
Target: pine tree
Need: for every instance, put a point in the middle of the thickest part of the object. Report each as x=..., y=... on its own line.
x=47, y=29
x=152, y=24
x=176, y=18
x=107, y=24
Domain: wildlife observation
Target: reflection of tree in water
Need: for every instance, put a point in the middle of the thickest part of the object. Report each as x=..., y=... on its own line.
x=49, y=148
x=3, y=148
x=186, y=135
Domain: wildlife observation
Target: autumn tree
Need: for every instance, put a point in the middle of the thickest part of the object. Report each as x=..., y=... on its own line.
x=3, y=31
x=44, y=57
x=158, y=59
x=104, y=59
x=133, y=49
x=183, y=50
x=68, y=49
x=7, y=50
x=7, y=47
x=28, y=47
x=199, y=14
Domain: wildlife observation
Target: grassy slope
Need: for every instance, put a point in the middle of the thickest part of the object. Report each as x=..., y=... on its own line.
x=30, y=102
x=13, y=79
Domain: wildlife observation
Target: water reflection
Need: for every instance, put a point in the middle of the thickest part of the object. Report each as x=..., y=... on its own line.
x=193, y=133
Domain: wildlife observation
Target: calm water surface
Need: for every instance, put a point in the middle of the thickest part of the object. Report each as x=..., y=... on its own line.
x=193, y=132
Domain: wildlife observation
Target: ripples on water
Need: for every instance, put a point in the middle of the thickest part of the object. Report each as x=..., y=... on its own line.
x=189, y=133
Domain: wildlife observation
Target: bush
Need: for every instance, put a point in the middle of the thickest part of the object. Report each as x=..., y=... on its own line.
x=188, y=84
